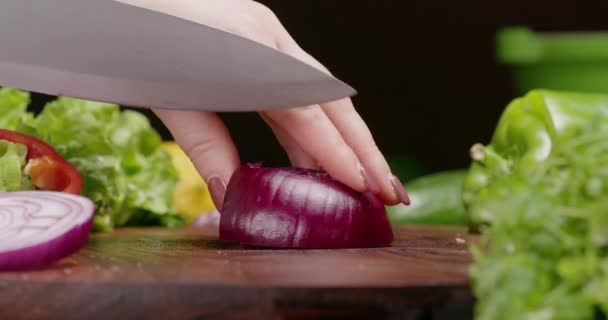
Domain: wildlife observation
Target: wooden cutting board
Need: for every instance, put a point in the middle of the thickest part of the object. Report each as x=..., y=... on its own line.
x=151, y=273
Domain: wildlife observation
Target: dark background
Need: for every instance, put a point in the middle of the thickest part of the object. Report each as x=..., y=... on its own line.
x=428, y=81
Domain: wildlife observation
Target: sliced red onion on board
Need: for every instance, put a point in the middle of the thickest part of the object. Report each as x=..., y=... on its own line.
x=299, y=208
x=38, y=228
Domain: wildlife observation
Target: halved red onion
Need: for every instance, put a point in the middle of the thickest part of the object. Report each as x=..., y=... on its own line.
x=38, y=228
x=298, y=208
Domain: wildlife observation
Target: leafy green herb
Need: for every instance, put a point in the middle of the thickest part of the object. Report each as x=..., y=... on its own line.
x=544, y=249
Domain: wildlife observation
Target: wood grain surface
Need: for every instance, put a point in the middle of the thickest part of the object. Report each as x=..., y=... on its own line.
x=153, y=273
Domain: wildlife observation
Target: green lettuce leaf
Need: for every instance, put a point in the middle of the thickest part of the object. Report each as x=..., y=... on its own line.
x=12, y=163
x=126, y=173
x=13, y=108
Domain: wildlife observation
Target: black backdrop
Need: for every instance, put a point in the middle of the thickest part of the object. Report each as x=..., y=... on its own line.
x=428, y=82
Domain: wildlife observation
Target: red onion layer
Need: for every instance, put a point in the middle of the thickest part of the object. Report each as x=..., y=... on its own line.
x=300, y=208
x=38, y=228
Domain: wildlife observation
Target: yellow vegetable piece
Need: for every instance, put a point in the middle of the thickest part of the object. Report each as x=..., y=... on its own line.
x=192, y=195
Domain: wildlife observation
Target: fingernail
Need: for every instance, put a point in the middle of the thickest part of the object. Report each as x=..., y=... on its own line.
x=217, y=189
x=400, y=190
x=370, y=184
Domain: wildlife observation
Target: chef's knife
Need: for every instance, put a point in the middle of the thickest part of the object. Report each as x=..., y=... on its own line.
x=114, y=52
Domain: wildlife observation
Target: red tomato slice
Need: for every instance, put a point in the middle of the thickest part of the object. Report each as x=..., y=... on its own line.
x=49, y=171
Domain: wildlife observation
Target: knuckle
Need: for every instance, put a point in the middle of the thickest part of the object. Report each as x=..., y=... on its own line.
x=369, y=153
x=305, y=115
x=341, y=150
x=252, y=26
x=263, y=11
x=199, y=150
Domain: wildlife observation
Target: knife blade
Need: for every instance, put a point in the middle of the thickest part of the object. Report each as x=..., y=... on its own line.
x=114, y=52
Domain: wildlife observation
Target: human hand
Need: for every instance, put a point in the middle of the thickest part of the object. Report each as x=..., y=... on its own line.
x=331, y=136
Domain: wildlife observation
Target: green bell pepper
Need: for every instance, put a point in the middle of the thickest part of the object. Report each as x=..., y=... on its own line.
x=436, y=199
x=527, y=132
x=405, y=167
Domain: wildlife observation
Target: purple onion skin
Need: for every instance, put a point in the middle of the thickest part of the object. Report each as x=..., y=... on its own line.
x=45, y=254
x=63, y=245
x=298, y=208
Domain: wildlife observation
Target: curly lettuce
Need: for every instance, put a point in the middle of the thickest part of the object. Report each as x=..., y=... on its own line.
x=126, y=173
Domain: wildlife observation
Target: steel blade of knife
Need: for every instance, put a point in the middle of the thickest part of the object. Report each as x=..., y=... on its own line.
x=115, y=52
